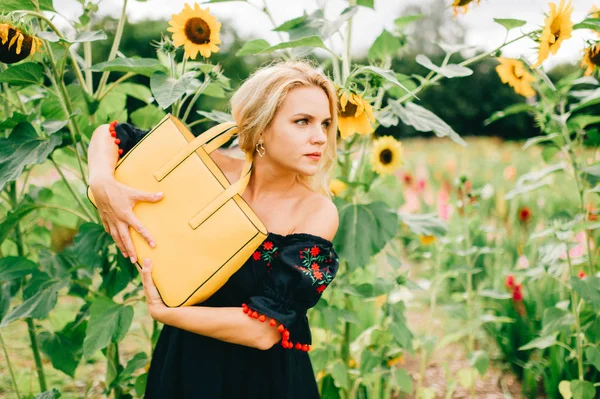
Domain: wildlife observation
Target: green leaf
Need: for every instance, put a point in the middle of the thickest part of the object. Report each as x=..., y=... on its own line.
x=583, y=389
x=449, y=70
x=134, y=90
x=167, y=90
x=25, y=74
x=39, y=304
x=510, y=110
x=401, y=334
x=64, y=348
x=494, y=294
x=21, y=148
x=109, y=322
x=118, y=277
x=52, y=126
x=592, y=354
x=588, y=288
x=424, y=224
x=339, y=372
x=564, y=387
x=147, y=117
x=540, y=139
x=82, y=37
x=386, y=45
x=138, y=361
x=140, y=384
x=217, y=116
x=467, y=377
x=13, y=267
x=30, y=5
x=402, y=380
x=310, y=41
x=9, y=223
x=425, y=121
x=142, y=66
x=556, y=319
x=214, y=89
x=366, y=3
x=405, y=20
x=387, y=74
x=582, y=121
x=592, y=174
x=90, y=243
x=253, y=47
x=364, y=231
x=53, y=394
x=480, y=360
x=540, y=343
x=510, y=23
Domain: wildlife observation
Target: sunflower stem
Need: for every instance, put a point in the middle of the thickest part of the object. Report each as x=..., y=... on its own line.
x=114, y=48
x=77, y=197
x=347, y=46
x=195, y=98
x=115, y=84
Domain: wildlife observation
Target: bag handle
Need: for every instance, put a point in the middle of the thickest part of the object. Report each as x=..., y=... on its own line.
x=221, y=134
x=236, y=188
x=193, y=145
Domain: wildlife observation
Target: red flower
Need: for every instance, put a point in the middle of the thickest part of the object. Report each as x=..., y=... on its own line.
x=510, y=281
x=581, y=274
x=256, y=255
x=268, y=245
x=518, y=287
x=314, y=266
x=408, y=179
x=318, y=275
x=517, y=296
x=321, y=288
x=314, y=251
x=524, y=214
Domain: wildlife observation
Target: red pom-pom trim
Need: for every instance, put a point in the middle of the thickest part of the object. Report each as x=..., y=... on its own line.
x=285, y=334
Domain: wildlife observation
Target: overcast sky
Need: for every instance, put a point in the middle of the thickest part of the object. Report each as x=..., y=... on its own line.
x=482, y=31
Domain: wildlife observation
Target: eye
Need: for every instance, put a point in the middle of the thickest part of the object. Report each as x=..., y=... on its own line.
x=326, y=124
x=302, y=120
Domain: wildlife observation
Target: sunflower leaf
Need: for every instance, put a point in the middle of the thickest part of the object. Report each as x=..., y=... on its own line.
x=425, y=121
x=24, y=74
x=509, y=23
x=588, y=23
x=540, y=139
x=166, y=90
x=449, y=71
x=510, y=110
x=310, y=41
x=147, y=117
x=142, y=66
x=385, y=45
x=217, y=116
x=405, y=20
x=253, y=47
x=387, y=74
x=30, y=5
x=82, y=37
x=366, y=3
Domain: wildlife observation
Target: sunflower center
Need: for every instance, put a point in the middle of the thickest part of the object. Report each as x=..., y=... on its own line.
x=595, y=55
x=385, y=156
x=350, y=110
x=463, y=2
x=197, y=31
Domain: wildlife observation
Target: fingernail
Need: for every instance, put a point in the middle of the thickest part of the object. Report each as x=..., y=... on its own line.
x=125, y=255
x=133, y=259
x=159, y=194
x=152, y=244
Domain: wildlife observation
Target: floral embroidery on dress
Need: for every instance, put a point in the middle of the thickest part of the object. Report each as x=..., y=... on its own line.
x=267, y=252
x=312, y=261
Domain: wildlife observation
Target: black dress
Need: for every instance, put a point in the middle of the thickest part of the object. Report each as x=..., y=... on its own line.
x=284, y=278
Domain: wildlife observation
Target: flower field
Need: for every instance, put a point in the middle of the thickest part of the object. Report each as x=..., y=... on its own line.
x=469, y=266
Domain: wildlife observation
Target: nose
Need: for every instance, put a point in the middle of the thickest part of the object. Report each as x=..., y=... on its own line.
x=319, y=136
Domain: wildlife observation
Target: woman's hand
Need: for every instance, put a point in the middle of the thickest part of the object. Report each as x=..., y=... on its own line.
x=156, y=306
x=115, y=201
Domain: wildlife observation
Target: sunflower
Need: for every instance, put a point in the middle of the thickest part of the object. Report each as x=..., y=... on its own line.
x=525, y=214
x=426, y=239
x=16, y=43
x=558, y=28
x=462, y=6
x=337, y=187
x=197, y=30
x=386, y=155
x=513, y=72
x=591, y=59
x=355, y=115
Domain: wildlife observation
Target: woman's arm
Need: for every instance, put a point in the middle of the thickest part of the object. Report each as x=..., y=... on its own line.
x=102, y=155
x=225, y=324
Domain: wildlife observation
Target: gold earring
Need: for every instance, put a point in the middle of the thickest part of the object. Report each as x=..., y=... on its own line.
x=259, y=148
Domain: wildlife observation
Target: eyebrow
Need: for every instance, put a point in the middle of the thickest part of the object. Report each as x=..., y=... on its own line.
x=309, y=116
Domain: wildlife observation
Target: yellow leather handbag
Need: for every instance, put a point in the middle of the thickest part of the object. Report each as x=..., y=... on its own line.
x=204, y=230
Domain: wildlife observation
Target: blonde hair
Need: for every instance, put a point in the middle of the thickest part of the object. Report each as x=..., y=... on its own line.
x=256, y=101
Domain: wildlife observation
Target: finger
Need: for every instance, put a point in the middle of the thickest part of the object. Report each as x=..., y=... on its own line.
x=106, y=228
x=147, y=274
x=139, y=227
x=114, y=232
x=126, y=238
x=139, y=195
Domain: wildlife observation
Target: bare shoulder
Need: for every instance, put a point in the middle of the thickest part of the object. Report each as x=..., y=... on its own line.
x=318, y=216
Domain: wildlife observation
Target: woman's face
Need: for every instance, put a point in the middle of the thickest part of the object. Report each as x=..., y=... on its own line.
x=296, y=137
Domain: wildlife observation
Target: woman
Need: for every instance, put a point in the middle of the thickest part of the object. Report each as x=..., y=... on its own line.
x=287, y=117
